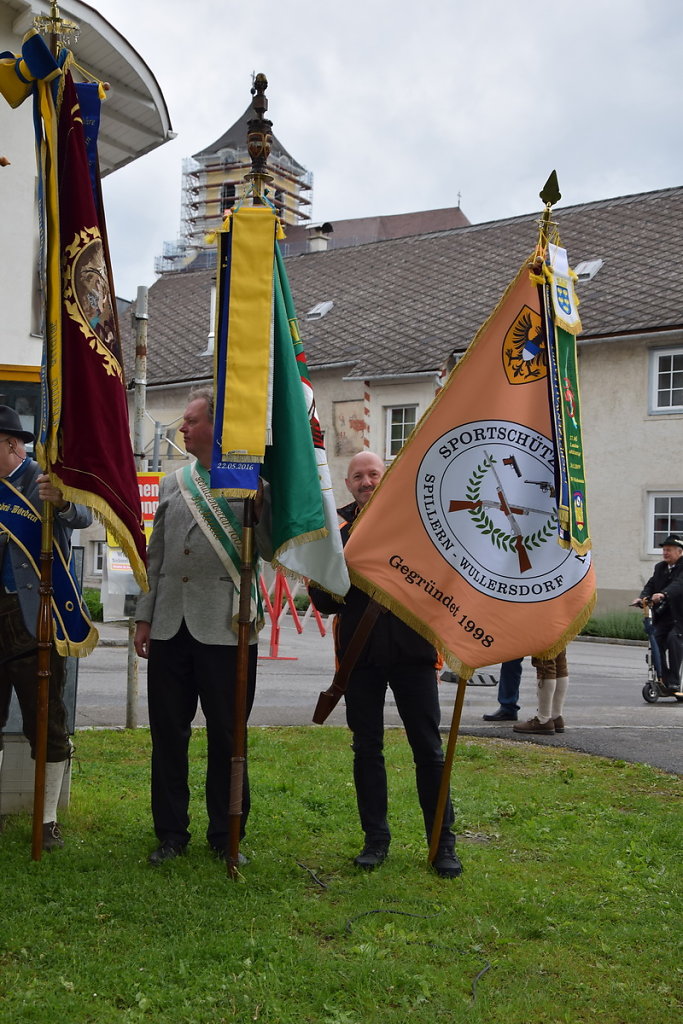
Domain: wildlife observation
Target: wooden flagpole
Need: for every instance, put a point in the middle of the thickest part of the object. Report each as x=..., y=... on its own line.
x=238, y=759
x=259, y=140
x=447, y=769
x=56, y=27
x=45, y=636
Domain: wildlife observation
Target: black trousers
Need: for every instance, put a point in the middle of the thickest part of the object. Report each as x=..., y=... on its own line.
x=669, y=638
x=21, y=674
x=416, y=694
x=181, y=673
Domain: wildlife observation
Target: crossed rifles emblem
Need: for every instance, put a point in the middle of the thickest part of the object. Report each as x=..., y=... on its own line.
x=509, y=510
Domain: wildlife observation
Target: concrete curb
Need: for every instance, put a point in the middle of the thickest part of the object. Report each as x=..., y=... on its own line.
x=116, y=642
x=609, y=640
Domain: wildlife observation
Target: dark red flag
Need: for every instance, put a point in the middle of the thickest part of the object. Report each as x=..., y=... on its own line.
x=85, y=439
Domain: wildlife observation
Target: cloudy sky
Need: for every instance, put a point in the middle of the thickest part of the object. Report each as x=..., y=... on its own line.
x=398, y=106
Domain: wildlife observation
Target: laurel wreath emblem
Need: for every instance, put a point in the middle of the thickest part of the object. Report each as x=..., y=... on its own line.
x=504, y=541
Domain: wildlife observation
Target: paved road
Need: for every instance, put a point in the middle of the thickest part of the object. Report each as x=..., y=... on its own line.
x=604, y=711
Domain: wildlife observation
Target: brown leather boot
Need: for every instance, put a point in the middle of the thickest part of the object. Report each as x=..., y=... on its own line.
x=535, y=726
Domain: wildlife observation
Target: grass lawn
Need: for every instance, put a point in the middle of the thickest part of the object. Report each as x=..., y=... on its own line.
x=569, y=909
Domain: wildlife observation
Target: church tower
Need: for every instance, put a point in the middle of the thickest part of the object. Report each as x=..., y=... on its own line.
x=213, y=181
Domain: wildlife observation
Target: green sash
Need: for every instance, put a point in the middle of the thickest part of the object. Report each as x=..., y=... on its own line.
x=220, y=526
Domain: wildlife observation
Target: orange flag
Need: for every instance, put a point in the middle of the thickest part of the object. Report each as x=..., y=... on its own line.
x=460, y=538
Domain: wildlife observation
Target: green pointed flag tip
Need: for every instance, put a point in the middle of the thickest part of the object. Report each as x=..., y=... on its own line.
x=550, y=193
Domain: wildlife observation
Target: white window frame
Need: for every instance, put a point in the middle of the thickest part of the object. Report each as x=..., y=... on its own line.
x=652, y=547
x=389, y=456
x=655, y=355
x=98, y=557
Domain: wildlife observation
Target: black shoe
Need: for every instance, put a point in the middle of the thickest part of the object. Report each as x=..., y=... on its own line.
x=501, y=715
x=370, y=857
x=222, y=853
x=446, y=864
x=52, y=837
x=167, y=851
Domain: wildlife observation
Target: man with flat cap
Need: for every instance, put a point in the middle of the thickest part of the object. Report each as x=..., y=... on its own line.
x=23, y=487
x=665, y=590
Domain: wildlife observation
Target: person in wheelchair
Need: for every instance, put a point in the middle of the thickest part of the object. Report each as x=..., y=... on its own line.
x=664, y=590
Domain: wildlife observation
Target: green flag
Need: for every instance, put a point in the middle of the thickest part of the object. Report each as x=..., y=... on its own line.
x=321, y=557
x=290, y=464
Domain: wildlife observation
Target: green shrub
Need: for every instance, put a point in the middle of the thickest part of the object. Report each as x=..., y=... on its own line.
x=92, y=599
x=626, y=625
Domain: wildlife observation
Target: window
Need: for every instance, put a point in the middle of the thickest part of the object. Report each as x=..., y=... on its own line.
x=665, y=516
x=23, y=395
x=227, y=197
x=666, y=380
x=98, y=557
x=400, y=421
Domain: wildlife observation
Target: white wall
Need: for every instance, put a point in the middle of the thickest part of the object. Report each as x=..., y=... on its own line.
x=18, y=218
x=628, y=453
x=329, y=388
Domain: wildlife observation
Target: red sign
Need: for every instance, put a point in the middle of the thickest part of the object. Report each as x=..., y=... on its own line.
x=149, y=497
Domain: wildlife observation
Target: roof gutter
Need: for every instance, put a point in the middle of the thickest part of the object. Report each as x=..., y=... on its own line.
x=601, y=339
x=395, y=376
x=332, y=366
x=190, y=383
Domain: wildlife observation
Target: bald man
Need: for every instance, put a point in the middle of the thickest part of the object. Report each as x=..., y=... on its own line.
x=394, y=656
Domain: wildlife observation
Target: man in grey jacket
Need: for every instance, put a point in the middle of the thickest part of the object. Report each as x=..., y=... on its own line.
x=186, y=626
x=22, y=489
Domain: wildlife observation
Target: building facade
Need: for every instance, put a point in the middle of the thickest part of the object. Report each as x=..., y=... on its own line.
x=383, y=323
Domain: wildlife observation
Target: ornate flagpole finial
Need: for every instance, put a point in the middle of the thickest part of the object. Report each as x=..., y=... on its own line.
x=259, y=138
x=60, y=30
x=550, y=194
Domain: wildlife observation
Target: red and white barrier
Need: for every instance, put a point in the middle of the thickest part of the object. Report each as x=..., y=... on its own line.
x=277, y=600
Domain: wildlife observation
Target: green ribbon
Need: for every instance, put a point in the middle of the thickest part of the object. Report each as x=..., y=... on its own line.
x=566, y=409
x=220, y=526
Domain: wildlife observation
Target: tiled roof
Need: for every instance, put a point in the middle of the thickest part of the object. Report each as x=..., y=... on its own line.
x=404, y=305
x=177, y=329
x=360, y=230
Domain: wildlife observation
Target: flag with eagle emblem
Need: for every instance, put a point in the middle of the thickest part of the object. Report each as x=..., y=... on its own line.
x=460, y=540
